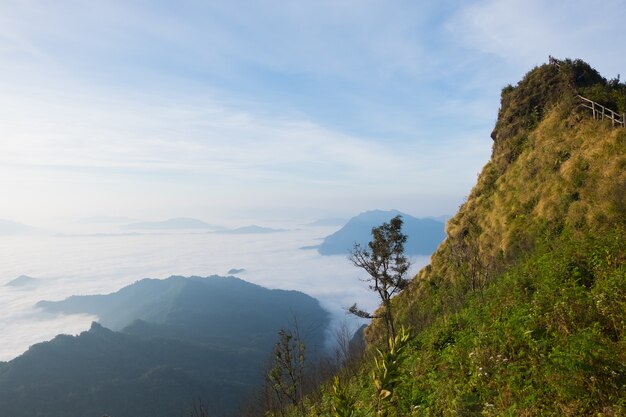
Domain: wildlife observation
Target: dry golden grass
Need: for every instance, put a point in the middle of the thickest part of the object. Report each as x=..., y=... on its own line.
x=547, y=188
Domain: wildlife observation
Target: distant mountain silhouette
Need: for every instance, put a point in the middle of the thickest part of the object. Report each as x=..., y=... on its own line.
x=180, y=340
x=253, y=229
x=210, y=308
x=310, y=247
x=328, y=221
x=99, y=234
x=424, y=235
x=172, y=224
x=106, y=220
x=9, y=227
x=443, y=218
x=21, y=281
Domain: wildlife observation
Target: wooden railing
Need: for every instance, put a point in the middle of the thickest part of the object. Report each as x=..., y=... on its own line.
x=600, y=112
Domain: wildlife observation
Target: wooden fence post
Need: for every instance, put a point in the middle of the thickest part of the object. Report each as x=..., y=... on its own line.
x=593, y=109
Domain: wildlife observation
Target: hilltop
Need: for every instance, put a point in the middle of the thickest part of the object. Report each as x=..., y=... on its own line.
x=522, y=310
x=22, y=281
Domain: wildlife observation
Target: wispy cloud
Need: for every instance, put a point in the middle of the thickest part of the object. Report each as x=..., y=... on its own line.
x=79, y=140
x=524, y=33
x=170, y=136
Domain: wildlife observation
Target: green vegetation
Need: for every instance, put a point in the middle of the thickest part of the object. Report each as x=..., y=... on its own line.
x=387, y=375
x=286, y=376
x=522, y=311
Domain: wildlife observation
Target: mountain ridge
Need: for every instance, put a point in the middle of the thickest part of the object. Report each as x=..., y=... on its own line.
x=176, y=341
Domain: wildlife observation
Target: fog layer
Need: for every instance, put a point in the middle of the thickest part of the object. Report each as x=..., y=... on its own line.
x=65, y=265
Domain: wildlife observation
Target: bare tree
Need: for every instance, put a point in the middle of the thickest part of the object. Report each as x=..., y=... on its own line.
x=386, y=266
x=349, y=349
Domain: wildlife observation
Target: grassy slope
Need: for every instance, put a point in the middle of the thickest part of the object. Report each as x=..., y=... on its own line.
x=523, y=308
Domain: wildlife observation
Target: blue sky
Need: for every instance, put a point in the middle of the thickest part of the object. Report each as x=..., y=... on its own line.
x=267, y=109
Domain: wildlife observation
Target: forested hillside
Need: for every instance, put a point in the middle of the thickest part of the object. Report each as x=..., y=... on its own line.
x=175, y=344
x=522, y=311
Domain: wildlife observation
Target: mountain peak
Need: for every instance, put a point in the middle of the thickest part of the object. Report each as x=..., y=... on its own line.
x=424, y=235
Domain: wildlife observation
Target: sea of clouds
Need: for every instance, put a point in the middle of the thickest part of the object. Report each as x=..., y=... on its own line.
x=73, y=264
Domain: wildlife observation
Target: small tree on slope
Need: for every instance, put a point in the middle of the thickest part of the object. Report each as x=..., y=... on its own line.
x=386, y=266
x=286, y=376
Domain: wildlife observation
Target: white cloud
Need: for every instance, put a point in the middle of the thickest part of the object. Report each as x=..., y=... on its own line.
x=96, y=132
x=525, y=32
